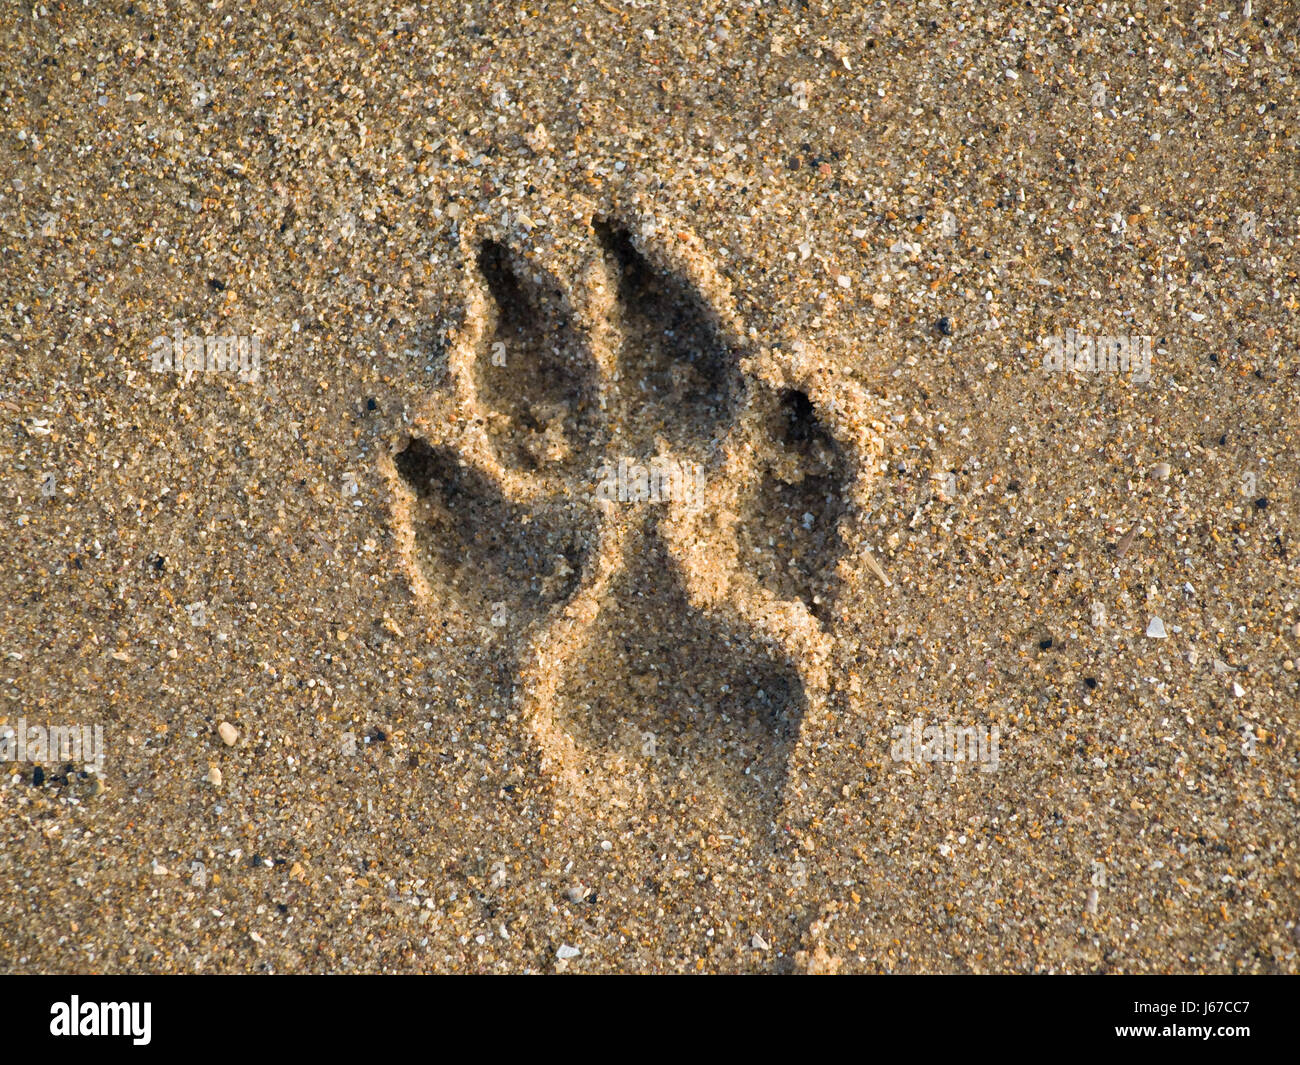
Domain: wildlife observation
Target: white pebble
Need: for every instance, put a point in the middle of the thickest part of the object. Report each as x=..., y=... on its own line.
x=566, y=952
x=1156, y=629
x=228, y=733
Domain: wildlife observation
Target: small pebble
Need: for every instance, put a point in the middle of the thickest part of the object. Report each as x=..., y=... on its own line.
x=214, y=777
x=1161, y=470
x=1156, y=629
x=228, y=733
x=566, y=952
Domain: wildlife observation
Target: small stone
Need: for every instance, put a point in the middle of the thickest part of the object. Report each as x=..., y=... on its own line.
x=1161, y=470
x=1156, y=629
x=228, y=733
x=538, y=138
x=759, y=943
x=1091, y=905
x=566, y=952
x=214, y=777
x=1238, y=690
x=576, y=893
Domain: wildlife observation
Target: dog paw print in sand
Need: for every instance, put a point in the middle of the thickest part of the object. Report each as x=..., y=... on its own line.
x=643, y=506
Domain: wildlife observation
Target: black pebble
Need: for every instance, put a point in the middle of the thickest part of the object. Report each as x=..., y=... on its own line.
x=1261, y=502
x=216, y=284
x=38, y=777
x=1046, y=644
x=945, y=326
x=371, y=404
x=1091, y=682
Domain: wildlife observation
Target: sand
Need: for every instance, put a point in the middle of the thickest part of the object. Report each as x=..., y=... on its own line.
x=651, y=475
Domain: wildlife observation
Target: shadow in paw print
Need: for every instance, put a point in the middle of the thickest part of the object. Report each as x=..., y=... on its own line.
x=679, y=378
x=706, y=712
x=790, y=537
x=536, y=377
x=502, y=560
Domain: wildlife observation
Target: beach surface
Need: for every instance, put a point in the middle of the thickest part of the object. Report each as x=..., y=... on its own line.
x=730, y=487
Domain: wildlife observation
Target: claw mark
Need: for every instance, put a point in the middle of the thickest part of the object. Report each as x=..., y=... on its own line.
x=536, y=383
x=790, y=532
x=497, y=557
x=674, y=354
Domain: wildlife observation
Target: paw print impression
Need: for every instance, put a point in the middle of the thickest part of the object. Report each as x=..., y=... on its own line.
x=644, y=509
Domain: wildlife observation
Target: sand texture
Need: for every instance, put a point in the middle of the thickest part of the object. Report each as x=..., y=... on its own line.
x=629, y=487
